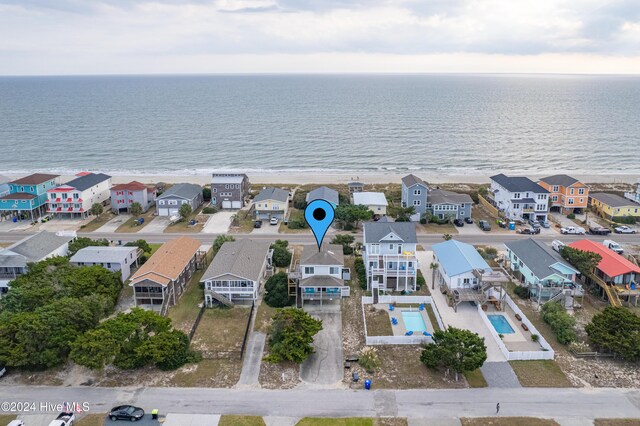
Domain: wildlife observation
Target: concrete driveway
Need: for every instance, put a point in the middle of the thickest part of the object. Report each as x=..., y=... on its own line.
x=218, y=223
x=266, y=228
x=157, y=225
x=114, y=223
x=324, y=367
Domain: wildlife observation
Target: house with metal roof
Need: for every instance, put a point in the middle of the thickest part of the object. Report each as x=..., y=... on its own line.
x=116, y=259
x=375, y=201
x=518, y=198
x=271, y=202
x=229, y=190
x=543, y=271
x=169, y=202
x=125, y=194
x=613, y=206
x=390, y=255
x=34, y=248
x=323, y=193
x=236, y=272
x=28, y=195
x=75, y=198
x=567, y=194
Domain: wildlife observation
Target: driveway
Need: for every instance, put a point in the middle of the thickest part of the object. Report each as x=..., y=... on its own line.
x=266, y=228
x=218, y=223
x=470, y=229
x=114, y=223
x=324, y=367
x=157, y=225
x=9, y=225
x=252, y=360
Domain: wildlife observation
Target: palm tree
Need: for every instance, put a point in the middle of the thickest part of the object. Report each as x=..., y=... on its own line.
x=433, y=268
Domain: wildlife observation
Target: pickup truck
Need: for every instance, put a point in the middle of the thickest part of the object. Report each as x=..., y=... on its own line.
x=613, y=246
x=599, y=230
x=572, y=230
x=528, y=230
x=64, y=419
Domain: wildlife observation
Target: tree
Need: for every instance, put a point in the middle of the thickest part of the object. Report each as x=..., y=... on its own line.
x=206, y=193
x=141, y=244
x=361, y=272
x=220, y=240
x=447, y=237
x=291, y=335
x=135, y=209
x=434, y=267
x=185, y=211
x=402, y=214
x=281, y=254
x=300, y=200
x=455, y=349
x=352, y=214
x=560, y=321
x=584, y=261
x=345, y=240
x=97, y=209
x=616, y=329
x=277, y=291
x=82, y=242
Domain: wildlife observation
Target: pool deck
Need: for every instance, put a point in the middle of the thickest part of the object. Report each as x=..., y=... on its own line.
x=400, y=329
x=519, y=340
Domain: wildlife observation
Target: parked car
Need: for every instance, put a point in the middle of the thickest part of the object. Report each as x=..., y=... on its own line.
x=16, y=423
x=126, y=412
x=468, y=220
x=484, y=225
x=572, y=230
x=624, y=229
x=534, y=223
x=501, y=223
x=530, y=230
x=458, y=222
x=257, y=224
x=545, y=224
x=3, y=370
x=599, y=230
x=63, y=419
x=557, y=245
x=613, y=246
x=274, y=221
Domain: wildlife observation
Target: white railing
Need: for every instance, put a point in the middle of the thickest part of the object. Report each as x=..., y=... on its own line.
x=397, y=340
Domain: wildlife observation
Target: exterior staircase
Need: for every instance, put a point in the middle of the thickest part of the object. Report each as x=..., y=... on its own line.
x=612, y=295
x=220, y=298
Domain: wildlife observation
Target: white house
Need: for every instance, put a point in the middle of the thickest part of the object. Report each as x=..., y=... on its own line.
x=518, y=198
x=390, y=255
x=111, y=258
x=375, y=201
x=456, y=263
x=321, y=274
x=76, y=197
x=634, y=196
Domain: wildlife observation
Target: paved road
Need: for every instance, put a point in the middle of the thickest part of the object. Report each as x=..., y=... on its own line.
x=547, y=402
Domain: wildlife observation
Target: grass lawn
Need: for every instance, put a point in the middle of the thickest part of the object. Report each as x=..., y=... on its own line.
x=91, y=420
x=540, y=373
x=130, y=225
x=297, y=215
x=378, y=322
x=221, y=330
x=349, y=421
x=6, y=418
x=98, y=221
x=154, y=247
x=229, y=420
x=616, y=422
x=507, y=421
x=432, y=316
x=243, y=223
x=183, y=226
x=263, y=317
x=475, y=379
x=184, y=313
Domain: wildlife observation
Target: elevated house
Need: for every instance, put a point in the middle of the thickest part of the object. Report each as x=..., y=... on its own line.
x=75, y=198
x=14, y=259
x=355, y=187
x=389, y=255
x=324, y=193
x=414, y=194
x=160, y=282
x=319, y=276
x=270, y=203
x=116, y=259
x=229, y=190
x=375, y=201
x=125, y=194
x=634, y=196
x=235, y=275
x=27, y=195
x=446, y=204
x=547, y=276
x=170, y=201
x=613, y=206
x=518, y=198
x=567, y=194
x=5, y=189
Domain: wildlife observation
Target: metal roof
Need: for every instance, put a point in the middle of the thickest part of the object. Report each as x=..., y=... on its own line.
x=86, y=181
x=537, y=256
x=375, y=232
x=612, y=263
x=518, y=184
x=458, y=258
x=243, y=259
x=370, y=198
x=272, y=194
x=103, y=254
x=188, y=191
x=324, y=193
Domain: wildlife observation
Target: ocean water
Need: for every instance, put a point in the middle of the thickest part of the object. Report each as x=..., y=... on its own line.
x=454, y=124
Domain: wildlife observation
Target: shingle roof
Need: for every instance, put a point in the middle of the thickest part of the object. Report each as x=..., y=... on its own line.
x=440, y=196
x=169, y=261
x=243, y=258
x=518, y=184
x=86, y=181
x=612, y=200
x=331, y=254
x=18, y=196
x=188, y=191
x=324, y=193
x=102, y=254
x=321, y=281
x=131, y=186
x=612, y=263
x=270, y=193
x=370, y=198
x=35, y=247
x=411, y=180
x=458, y=258
x=374, y=232
x=562, y=180
x=537, y=256
x=35, y=179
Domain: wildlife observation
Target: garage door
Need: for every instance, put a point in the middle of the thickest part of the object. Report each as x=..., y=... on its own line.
x=226, y=204
x=163, y=212
x=174, y=212
x=236, y=204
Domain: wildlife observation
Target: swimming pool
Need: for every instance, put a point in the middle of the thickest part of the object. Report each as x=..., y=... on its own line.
x=501, y=324
x=413, y=321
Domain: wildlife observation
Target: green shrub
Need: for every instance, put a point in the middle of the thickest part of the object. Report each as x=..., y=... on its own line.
x=521, y=292
x=571, y=216
x=369, y=359
x=277, y=291
x=616, y=330
x=628, y=220
x=210, y=210
x=361, y=272
x=348, y=227
x=300, y=200
x=560, y=321
x=420, y=281
x=297, y=224
x=423, y=220
x=535, y=337
x=281, y=254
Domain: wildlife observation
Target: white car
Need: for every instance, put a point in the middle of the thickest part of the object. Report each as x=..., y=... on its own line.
x=572, y=230
x=16, y=423
x=557, y=245
x=274, y=221
x=624, y=230
x=613, y=246
x=64, y=419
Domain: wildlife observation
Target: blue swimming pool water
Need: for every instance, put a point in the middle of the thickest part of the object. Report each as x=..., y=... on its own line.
x=413, y=321
x=500, y=323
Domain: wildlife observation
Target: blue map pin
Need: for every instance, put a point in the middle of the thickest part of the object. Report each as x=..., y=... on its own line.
x=319, y=215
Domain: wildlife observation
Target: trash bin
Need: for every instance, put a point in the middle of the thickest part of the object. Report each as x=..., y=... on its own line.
x=367, y=384
x=154, y=414
x=355, y=377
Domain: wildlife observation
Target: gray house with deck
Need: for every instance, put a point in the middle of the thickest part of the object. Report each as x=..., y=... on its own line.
x=169, y=202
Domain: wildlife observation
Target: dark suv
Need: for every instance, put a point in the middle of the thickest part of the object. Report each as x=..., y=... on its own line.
x=484, y=225
x=458, y=222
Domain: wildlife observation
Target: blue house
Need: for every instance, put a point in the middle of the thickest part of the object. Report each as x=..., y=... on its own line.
x=28, y=195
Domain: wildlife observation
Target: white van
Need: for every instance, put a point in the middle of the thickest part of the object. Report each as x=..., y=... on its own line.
x=557, y=245
x=613, y=246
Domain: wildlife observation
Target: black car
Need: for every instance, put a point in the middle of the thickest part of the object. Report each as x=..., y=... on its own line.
x=257, y=224
x=458, y=222
x=599, y=230
x=468, y=220
x=126, y=412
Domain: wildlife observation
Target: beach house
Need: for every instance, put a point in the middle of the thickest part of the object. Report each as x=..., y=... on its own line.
x=125, y=194
x=613, y=206
x=75, y=198
x=634, y=196
x=375, y=201
x=4, y=186
x=160, y=282
x=355, y=186
x=229, y=190
x=28, y=195
x=236, y=272
x=169, y=202
x=567, y=194
x=320, y=275
x=389, y=255
x=271, y=203
x=414, y=194
x=116, y=259
x=449, y=205
x=518, y=198
x=323, y=193
x=546, y=275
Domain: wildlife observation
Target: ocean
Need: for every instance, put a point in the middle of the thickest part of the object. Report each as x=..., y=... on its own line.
x=456, y=124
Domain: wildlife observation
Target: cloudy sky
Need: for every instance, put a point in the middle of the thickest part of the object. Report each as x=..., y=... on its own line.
x=249, y=36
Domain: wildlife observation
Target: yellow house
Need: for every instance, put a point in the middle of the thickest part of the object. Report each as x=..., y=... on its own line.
x=612, y=205
x=270, y=203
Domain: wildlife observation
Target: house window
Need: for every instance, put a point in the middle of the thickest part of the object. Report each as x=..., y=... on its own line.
x=571, y=191
x=555, y=188
x=173, y=202
x=53, y=196
x=275, y=207
x=417, y=192
x=391, y=246
x=570, y=201
x=309, y=270
x=580, y=191
x=161, y=202
x=184, y=202
x=76, y=195
x=416, y=202
x=581, y=200
x=516, y=195
x=226, y=187
x=554, y=198
x=334, y=270
x=108, y=265
x=516, y=206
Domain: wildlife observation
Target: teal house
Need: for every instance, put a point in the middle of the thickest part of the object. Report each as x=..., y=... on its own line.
x=28, y=195
x=544, y=272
